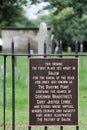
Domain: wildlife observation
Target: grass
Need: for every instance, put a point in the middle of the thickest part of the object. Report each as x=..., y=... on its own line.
x=21, y=90
x=21, y=94
x=83, y=95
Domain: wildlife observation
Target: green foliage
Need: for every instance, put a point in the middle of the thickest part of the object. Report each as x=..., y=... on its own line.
x=12, y=13
x=69, y=19
x=46, y=19
x=69, y=26
x=80, y=6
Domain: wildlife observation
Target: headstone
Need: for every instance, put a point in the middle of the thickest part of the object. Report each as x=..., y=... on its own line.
x=31, y=52
x=2, y=72
x=18, y=75
x=54, y=45
x=42, y=37
x=2, y=76
x=56, y=50
x=81, y=58
x=52, y=37
x=1, y=44
x=69, y=49
x=81, y=47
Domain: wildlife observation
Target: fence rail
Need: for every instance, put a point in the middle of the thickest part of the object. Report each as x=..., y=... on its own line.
x=13, y=55
x=45, y=55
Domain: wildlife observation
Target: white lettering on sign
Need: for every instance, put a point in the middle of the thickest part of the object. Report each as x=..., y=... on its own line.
x=53, y=91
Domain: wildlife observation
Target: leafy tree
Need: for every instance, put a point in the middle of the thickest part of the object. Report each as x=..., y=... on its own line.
x=69, y=27
x=12, y=13
x=80, y=6
x=69, y=19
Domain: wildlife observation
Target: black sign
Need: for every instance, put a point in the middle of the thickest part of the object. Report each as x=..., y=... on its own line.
x=53, y=91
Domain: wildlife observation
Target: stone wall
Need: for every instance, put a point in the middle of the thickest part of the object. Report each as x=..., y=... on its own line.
x=21, y=36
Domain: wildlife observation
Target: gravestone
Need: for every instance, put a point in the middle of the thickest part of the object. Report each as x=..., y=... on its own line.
x=2, y=76
x=1, y=44
x=42, y=38
x=2, y=72
x=81, y=47
x=69, y=49
x=81, y=58
x=31, y=52
x=56, y=49
x=18, y=74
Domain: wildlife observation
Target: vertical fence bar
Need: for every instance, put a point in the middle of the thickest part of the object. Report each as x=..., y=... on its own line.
x=77, y=127
x=29, y=49
x=60, y=50
x=61, y=127
x=29, y=127
x=13, y=88
x=45, y=49
x=76, y=48
x=4, y=94
x=76, y=51
x=45, y=127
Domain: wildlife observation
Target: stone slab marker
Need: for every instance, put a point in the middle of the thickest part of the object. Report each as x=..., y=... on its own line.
x=81, y=58
x=42, y=37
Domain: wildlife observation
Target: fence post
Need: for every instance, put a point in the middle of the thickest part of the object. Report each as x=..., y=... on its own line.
x=4, y=93
x=60, y=48
x=76, y=51
x=45, y=127
x=76, y=48
x=13, y=87
x=77, y=127
x=61, y=127
x=29, y=49
x=29, y=127
x=45, y=49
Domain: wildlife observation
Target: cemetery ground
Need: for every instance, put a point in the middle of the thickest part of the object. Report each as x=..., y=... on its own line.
x=21, y=90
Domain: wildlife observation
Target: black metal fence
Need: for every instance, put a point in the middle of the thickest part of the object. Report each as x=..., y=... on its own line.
x=13, y=55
